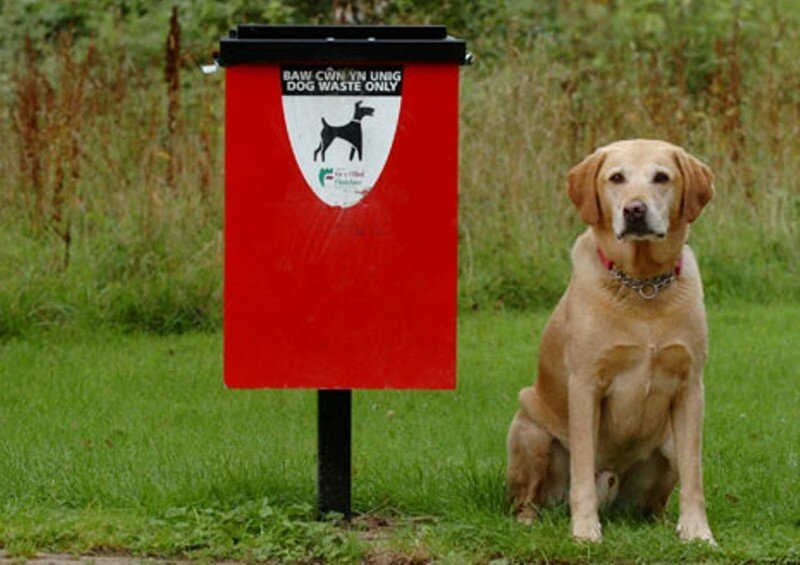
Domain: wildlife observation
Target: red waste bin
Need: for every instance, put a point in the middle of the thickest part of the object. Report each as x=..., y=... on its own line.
x=340, y=206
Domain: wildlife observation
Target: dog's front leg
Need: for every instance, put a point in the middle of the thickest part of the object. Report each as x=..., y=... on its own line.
x=584, y=420
x=687, y=430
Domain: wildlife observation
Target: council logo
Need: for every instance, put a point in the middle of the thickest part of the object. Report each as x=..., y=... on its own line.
x=325, y=175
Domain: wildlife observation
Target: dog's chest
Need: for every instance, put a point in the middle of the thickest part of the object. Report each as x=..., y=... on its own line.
x=642, y=380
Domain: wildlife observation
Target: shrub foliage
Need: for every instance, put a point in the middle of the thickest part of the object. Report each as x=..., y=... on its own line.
x=111, y=179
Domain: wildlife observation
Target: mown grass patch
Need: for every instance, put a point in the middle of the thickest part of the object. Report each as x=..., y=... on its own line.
x=130, y=444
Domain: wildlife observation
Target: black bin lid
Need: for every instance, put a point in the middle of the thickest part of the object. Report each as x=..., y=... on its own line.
x=256, y=43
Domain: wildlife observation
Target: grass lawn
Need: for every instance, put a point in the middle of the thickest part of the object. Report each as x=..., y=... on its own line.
x=130, y=444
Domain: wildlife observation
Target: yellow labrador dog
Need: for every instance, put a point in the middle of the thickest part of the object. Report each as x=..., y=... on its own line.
x=616, y=414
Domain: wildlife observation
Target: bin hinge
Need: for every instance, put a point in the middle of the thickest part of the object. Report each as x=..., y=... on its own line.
x=211, y=68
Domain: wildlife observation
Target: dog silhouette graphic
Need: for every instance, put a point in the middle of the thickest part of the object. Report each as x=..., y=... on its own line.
x=350, y=132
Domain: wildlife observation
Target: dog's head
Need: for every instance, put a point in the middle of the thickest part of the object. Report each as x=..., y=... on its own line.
x=362, y=111
x=640, y=189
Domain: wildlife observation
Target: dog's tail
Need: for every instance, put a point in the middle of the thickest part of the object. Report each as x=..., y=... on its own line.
x=324, y=123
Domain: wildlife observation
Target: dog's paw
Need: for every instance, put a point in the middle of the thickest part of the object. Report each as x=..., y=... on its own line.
x=587, y=530
x=695, y=529
x=607, y=484
x=525, y=519
x=526, y=515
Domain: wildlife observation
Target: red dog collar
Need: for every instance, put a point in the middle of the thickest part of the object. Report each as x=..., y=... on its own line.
x=647, y=288
x=609, y=264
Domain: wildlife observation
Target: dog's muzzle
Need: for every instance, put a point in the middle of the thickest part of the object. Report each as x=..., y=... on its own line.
x=634, y=215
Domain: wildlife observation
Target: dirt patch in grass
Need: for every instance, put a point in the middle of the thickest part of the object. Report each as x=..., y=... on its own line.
x=390, y=557
x=377, y=530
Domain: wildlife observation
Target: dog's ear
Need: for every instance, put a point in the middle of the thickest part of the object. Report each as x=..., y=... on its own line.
x=582, y=186
x=359, y=103
x=698, y=184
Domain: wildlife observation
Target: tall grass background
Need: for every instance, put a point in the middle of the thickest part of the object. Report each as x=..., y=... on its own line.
x=111, y=174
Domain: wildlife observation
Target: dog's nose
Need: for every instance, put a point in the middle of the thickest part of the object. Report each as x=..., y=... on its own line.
x=634, y=210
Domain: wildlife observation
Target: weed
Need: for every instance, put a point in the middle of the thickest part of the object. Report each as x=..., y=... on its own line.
x=111, y=191
x=172, y=78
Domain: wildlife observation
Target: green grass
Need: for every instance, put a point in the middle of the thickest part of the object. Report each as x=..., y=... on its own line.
x=131, y=444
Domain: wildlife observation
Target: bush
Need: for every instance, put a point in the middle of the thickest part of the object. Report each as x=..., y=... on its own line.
x=111, y=184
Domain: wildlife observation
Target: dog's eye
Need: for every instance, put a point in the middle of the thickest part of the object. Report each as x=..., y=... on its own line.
x=660, y=178
x=617, y=178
